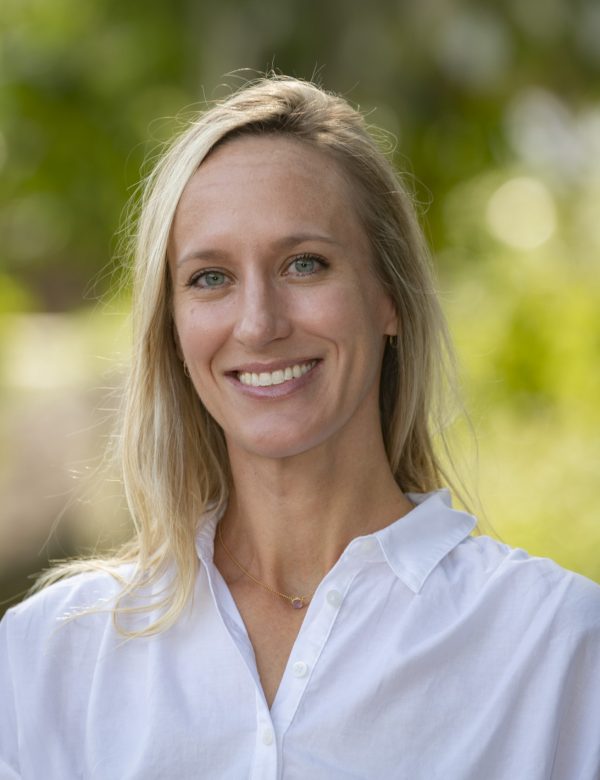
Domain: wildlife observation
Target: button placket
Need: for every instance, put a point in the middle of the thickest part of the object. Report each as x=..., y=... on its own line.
x=312, y=640
x=266, y=756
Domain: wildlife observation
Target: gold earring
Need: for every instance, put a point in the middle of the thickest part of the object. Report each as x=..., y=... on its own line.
x=186, y=370
x=393, y=341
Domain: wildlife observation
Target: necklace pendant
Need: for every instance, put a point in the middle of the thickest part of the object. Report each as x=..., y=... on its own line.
x=297, y=602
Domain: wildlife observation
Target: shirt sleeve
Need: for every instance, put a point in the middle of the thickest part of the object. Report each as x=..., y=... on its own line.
x=577, y=752
x=9, y=750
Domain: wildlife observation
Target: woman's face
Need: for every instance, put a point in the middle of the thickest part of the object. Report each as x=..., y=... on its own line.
x=278, y=311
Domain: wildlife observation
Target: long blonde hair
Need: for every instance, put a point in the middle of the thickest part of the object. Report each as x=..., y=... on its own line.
x=173, y=456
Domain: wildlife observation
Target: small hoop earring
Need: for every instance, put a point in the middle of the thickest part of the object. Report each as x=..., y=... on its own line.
x=186, y=370
x=393, y=341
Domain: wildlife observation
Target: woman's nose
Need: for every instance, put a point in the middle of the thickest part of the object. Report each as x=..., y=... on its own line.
x=262, y=316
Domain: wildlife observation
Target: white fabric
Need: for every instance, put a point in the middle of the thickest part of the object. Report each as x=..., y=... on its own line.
x=425, y=653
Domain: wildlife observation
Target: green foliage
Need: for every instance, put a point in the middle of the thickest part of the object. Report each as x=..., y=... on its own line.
x=83, y=82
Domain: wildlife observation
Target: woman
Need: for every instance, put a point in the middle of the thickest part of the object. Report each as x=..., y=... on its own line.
x=300, y=600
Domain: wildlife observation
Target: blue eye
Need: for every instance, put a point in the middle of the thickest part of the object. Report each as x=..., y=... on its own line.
x=306, y=265
x=209, y=279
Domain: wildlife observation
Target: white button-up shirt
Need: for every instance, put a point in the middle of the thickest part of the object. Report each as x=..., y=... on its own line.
x=425, y=653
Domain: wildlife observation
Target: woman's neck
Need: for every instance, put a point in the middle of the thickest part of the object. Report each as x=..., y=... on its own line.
x=289, y=520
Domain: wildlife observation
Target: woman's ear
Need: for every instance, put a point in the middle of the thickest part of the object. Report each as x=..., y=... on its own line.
x=390, y=318
x=392, y=329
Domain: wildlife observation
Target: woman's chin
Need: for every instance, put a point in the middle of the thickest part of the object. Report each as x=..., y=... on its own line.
x=272, y=447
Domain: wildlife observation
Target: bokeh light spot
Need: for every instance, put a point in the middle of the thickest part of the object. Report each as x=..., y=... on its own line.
x=521, y=213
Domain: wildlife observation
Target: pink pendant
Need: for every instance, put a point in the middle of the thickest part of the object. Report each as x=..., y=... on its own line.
x=298, y=602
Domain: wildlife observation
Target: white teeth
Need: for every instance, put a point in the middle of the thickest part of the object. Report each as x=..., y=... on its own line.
x=266, y=378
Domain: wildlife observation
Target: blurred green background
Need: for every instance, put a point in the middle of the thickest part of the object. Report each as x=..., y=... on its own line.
x=495, y=112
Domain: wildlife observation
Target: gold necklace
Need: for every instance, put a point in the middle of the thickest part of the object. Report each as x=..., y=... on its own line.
x=297, y=602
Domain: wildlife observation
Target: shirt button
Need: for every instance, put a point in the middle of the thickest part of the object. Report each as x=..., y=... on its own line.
x=334, y=597
x=368, y=546
x=300, y=669
x=267, y=737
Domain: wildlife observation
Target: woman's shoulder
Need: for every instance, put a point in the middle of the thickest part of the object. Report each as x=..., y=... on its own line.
x=529, y=584
x=90, y=594
x=499, y=559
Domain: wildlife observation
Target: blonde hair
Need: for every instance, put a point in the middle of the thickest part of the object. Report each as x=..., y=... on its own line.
x=173, y=455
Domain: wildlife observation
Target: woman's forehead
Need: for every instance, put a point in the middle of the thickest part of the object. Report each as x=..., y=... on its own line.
x=254, y=180
x=276, y=155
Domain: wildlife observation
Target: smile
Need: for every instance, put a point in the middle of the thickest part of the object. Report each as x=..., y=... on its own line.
x=268, y=378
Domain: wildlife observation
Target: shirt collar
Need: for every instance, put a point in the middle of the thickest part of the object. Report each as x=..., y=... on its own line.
x=416, y=543
x=412, y=546
x=205, y=536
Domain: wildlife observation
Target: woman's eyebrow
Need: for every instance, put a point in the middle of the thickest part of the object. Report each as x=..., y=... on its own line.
x=286, y=242
x=202, y=254
x=299, y=238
